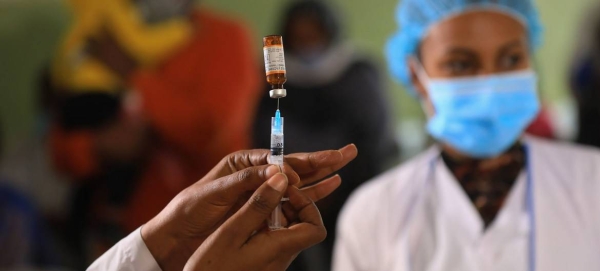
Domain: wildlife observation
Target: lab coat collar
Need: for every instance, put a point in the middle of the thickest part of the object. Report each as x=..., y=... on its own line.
x=447, y=228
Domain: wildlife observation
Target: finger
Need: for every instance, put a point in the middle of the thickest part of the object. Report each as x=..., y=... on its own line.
x=304, y=163
x=305, y=207
x=258, y=208
x=247, y=158
x=293, y=177
x=303, y=235
x=238, y=161
x=227, y=190
x=349, y=153
x=289, y=213
x=323, y=189
x=314, y=166
x=315, y=193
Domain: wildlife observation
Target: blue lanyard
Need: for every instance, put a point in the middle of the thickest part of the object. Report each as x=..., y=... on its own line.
x=529, y=204
x=530, y=207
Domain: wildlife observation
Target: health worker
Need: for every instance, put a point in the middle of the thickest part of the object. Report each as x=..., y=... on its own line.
x=485, y=197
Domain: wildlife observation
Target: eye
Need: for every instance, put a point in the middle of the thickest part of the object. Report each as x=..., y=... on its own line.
x=511, y=61
x=458, y=67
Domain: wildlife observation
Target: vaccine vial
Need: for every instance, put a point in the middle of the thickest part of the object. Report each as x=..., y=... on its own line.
x=275, y=65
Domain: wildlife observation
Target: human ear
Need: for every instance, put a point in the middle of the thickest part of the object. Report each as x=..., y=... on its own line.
x=417, y=83
x=419, y=86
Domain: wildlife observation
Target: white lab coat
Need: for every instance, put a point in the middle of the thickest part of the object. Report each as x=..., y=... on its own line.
x=129, y=254
x=417, y=217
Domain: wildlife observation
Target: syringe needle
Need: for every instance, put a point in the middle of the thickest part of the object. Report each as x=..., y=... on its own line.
x=277, y=103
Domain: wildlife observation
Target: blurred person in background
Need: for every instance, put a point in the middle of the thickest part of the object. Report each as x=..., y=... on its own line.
x=24, y=239
x=28, y=163
x=585, y=79
x=27, y=167
x=152, y=94
x=338, y=97
x=485, y=197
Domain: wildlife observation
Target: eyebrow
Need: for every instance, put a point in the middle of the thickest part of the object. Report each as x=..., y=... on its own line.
x=461, y=51
x=508, y=46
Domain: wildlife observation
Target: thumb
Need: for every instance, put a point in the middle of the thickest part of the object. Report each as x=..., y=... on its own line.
x=258, y=208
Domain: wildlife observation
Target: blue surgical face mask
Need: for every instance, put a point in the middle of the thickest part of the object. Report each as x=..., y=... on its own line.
x=312, y=54
x=482, y=116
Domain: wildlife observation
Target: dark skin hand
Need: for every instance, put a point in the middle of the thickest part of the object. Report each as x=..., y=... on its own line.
x=242, y=243
x=195, y=213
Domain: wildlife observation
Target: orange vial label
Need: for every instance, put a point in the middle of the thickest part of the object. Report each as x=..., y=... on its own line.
x=274, y=59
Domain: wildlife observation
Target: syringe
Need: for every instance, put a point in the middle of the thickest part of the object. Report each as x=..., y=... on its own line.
x=276, y=158
x=276, y=76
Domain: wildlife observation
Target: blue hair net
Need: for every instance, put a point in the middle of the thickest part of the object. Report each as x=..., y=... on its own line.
x=415, y=17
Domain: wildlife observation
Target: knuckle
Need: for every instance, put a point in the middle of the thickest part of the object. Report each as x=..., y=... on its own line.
x=235, y=160
x=321, y=234
x=231, y=157
x=312, y=161
x=245, y=174
x=238, y=153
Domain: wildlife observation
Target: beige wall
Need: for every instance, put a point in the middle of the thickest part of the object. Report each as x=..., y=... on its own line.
x=369, y=26
x=29, y=30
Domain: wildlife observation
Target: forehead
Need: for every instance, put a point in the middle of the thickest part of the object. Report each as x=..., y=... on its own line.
x=477, y=30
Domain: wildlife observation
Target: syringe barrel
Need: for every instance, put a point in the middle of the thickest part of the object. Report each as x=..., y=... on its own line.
x=277, y=136
x=276, y=158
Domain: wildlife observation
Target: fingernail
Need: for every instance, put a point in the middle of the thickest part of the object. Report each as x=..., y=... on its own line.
x=272, y=170
x=279, y=182
x=349, y=147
